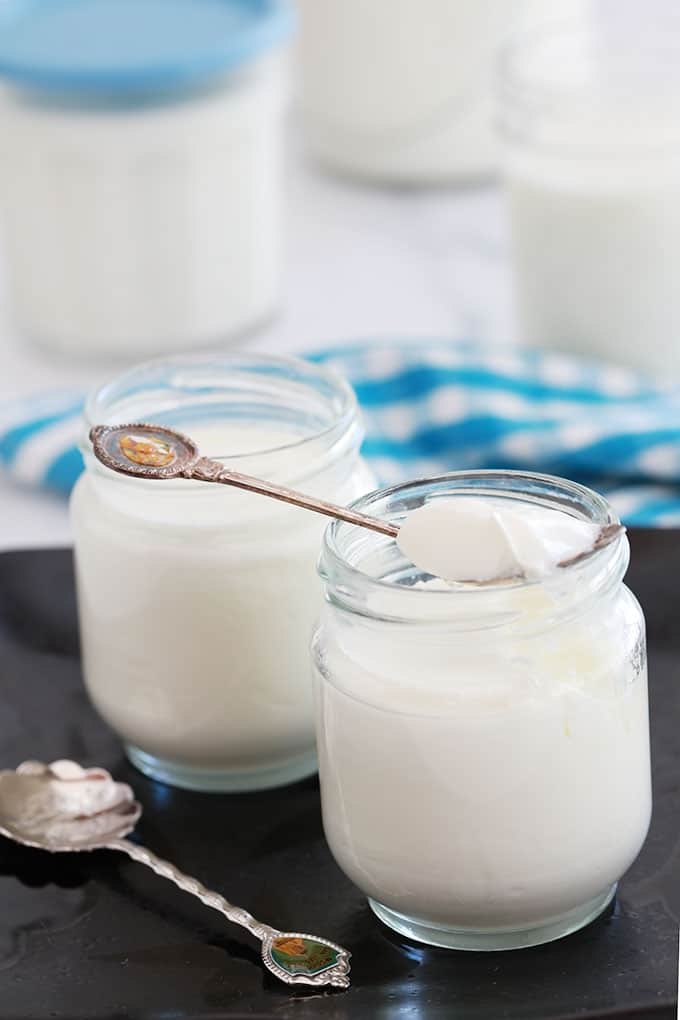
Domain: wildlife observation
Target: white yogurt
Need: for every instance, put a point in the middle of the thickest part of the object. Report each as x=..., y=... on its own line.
x=592, y=164
x=197, y=601
x=484, y=754
x=494, y=793
x=400, y=90
x=480, y=539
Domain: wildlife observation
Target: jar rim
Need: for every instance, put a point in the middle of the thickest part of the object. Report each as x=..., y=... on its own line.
x=101, y=402
x=353, y=588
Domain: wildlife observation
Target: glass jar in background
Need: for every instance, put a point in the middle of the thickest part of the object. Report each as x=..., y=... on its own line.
x=590, y=121
x=197, y=601
x=140, y=175
x=399, y=91
x=483, y=752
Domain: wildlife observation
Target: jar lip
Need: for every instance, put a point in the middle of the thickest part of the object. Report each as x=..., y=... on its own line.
x=355, y=587
x=339, y=388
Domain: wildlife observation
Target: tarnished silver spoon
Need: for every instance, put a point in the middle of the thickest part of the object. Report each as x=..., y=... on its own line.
x=63, y=807
x=156, y=452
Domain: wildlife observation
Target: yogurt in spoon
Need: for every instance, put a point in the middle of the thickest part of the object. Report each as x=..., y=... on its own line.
x=474, y=538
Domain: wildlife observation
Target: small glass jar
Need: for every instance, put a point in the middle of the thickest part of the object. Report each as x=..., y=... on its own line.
x=588, y=116
x=197, y=601
x=141, y=171
x=483, y=752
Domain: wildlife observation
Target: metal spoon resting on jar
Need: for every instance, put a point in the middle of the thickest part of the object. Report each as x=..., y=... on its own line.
x=63, y=807
x=154, y=452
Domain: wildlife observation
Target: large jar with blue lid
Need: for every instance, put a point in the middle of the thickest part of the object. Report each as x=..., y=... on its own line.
x=140, y=173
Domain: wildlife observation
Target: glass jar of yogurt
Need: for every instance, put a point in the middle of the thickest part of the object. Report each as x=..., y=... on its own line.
x=197, y=601
x=588, y=115
x=483, y=751
x=140, y=172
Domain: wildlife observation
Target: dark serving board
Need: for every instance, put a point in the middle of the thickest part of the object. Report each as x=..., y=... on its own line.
x=97, y=936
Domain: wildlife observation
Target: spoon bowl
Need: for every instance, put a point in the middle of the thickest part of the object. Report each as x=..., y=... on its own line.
x=62, y=807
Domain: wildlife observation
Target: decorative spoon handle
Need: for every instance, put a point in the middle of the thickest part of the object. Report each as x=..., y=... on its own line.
x=293, y=957
x=155, y=452
x=207, y=470
x=192, y=886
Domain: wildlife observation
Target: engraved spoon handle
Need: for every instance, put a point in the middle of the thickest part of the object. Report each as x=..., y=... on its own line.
x=207, y=470
x=192, y=886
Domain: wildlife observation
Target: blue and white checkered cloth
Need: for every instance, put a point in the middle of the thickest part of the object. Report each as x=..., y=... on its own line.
x=442, y=406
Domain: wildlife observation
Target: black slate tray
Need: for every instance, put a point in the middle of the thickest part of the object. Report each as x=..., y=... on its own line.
x=97, y=936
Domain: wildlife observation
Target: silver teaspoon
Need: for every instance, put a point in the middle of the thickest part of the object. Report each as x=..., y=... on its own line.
x=157, y=452
x=62, y=807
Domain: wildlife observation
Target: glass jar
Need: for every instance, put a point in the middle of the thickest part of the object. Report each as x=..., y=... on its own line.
x=197, y=601
x=483, y=752
x=141, y=171
x=400, y=91
x=591, y=153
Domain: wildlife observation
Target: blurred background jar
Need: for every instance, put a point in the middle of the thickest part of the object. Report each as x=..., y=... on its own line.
x=590, y=121
x=140, y=173
x=400, y=90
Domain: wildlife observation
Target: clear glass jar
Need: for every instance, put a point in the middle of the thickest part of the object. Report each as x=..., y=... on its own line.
x=197, y=601
x=483, y=752
x=591, y=151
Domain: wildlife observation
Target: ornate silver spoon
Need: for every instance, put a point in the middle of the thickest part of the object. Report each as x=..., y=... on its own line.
x=62, y=807
x=156, y=452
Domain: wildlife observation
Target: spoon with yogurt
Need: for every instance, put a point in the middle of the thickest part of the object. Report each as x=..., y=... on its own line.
x=485, y=540
x=468, y=539
x=63, y=807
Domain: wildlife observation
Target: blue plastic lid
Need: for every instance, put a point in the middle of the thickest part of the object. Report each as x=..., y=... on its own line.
x=129, y=45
